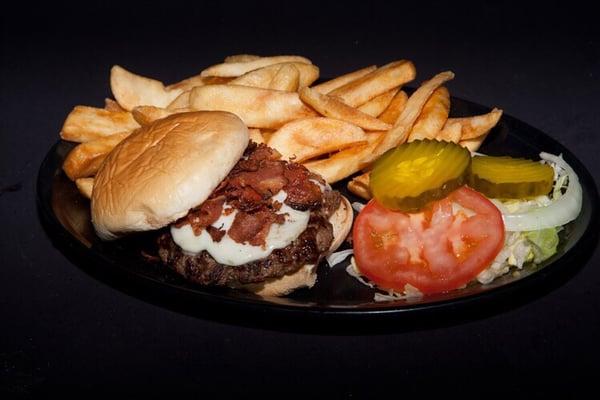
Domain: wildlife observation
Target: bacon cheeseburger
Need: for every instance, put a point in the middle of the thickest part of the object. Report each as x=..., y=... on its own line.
x=235, y=214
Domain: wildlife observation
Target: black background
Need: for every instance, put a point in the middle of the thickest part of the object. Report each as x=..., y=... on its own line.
x=59, y=325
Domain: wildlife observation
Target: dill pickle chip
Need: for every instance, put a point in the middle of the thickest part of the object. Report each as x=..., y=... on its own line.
x=510, y=178
x=414, y=174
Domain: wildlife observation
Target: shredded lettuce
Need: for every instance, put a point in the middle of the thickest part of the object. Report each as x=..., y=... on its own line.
x=561, y=182
x=410, y=292
x=544, y=242
x=519, y=249
x=353, y=271
x=514, y=206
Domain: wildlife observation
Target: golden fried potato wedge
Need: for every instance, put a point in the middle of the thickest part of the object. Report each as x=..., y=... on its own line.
x=256, y=136
x=181, y=101
x=85, y=186
x=308, y=73
x=433, y=116
x=359, y=185
x=332, y=107
x=197, y=80
x=346, y=162
x=373, y=84
x=111, y=105
x=377, y=105
x=392, y=112
x=267, y=134
x=258, y=108
x=399, y=132
x=286, y=79
x=145, y=115
x=263, y=77
x=85, y=159
x=450, y=134
x=327, y=87
x=307, y=138
x=89, y=123
x=188, y=83
x=216, y=80
x=473, y=127
x=233, y=69
x=259, y=78
x=131, y=90
x=240, y=58
x=473, y=144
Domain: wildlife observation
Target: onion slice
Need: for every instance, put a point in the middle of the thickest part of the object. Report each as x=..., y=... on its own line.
x=559, y=212
x=338, y=257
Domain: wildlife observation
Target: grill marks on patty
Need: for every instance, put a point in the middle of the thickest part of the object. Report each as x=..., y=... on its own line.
x=249, y=188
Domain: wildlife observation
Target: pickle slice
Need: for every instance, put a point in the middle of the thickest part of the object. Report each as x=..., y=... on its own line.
x=510, y=178
x=414, y=174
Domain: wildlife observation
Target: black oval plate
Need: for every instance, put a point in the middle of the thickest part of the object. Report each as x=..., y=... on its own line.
x=336, y=295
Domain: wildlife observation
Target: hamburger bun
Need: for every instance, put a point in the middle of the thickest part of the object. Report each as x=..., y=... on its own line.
x=161, y=171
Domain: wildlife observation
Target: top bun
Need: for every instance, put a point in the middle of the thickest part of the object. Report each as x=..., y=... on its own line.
x=161, y=171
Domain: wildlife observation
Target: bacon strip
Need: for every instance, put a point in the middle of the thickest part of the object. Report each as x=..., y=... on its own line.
x=215, y=233
x=253, y=228
x=204, y=215
x=303, y=194
x=249, y=189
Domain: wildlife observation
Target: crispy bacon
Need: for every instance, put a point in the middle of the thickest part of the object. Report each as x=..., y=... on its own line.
x=267, y=180
x=204, y=215
x=249, y=189
x=215, y=233
x=261, y=173
x=255, y=155
x=302, y=193
x=253, y=228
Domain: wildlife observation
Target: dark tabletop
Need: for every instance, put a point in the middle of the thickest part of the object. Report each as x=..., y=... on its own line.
x=63, y=325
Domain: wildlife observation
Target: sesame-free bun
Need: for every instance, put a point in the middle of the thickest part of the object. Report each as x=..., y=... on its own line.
x=306, y=276
x=161, y=171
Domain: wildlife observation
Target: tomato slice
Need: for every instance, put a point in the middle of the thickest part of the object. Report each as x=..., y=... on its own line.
x=436, y=250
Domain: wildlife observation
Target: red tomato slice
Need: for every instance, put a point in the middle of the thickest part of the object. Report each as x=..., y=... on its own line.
x=439, y=249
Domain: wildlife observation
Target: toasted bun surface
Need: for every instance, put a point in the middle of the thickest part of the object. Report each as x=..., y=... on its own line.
x=307, y=275
x=162, y=170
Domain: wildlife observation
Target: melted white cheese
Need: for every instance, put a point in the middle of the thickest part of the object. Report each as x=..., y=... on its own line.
x=229, y=252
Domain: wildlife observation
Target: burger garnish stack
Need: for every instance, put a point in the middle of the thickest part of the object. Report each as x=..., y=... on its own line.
x=237, y=215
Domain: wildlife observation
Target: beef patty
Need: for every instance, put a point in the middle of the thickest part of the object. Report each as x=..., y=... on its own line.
x=201, y=268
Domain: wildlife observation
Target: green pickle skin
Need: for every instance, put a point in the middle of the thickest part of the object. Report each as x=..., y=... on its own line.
x=510, y=178
x=410, y=189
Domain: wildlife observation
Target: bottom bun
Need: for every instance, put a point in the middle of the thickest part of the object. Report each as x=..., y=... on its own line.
x=274, y=287
x=306, y=276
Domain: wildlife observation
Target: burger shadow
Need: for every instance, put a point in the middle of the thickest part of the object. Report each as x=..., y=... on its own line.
x=253, y=315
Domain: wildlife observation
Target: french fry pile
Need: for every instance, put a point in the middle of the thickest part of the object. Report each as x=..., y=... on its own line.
x=336, y=128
